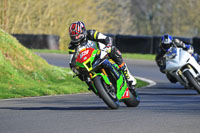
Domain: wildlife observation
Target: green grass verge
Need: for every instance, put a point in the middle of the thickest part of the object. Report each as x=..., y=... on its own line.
x=139, y=56
x=125, y=55
x=24, y=74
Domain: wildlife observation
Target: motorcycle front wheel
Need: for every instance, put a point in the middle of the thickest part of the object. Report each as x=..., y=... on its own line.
x=192, y=81
x=108, y=97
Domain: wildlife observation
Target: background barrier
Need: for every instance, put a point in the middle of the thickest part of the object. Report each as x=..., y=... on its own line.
x=41, y=41
x=147, y=44
x=125, y=43
x=134, y=44
x=196, y=44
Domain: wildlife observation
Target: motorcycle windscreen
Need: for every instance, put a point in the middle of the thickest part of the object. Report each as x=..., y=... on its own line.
x=176, y=59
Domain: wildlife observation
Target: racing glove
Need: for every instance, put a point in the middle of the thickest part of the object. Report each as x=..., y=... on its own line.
x=189, y=48
x=108, y=48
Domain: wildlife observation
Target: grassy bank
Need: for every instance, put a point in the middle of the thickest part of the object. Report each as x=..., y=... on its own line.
x=24, y=74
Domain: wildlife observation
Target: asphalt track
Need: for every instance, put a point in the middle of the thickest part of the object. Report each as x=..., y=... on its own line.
x=164, y=108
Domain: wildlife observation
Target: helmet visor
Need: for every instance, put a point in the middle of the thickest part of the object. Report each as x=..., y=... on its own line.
x=76, y=38
x=166, y=46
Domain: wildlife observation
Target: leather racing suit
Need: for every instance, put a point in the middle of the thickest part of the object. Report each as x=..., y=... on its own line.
x=113, y=52
x=177, y=43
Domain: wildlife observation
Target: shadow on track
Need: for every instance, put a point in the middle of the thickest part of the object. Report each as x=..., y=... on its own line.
x=55, y=108
x=173, y=94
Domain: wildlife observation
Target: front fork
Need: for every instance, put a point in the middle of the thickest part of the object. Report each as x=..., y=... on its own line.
x=120, y=84
x=104, y=76
x=181, y=75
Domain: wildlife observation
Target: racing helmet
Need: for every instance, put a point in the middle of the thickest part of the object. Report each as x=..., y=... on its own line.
x=77, y=31
x=166, y=42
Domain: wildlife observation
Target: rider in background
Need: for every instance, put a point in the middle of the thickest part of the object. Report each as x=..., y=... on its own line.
x=167, y=42
x=79, y=35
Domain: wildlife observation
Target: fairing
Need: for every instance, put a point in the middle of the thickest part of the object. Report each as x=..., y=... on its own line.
x=90, y=57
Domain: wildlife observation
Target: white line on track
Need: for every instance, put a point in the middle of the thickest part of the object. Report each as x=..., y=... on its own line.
x=151, y=82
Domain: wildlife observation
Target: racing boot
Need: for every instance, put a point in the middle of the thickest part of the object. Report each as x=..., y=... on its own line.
x=132, y=81
x=116, y=55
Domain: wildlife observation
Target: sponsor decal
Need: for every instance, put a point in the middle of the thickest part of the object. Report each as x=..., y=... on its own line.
x=84, y=53
x=126, y=94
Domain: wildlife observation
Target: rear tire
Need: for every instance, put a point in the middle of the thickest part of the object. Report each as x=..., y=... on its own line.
x=192, y=81
x=113, y=103
x=133, y=101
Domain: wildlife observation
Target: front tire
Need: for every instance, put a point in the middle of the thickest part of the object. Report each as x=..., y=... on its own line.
x=112, y=102
x=192, y=80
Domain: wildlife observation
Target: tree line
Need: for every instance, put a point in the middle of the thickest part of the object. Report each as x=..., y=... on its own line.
x=130, y=17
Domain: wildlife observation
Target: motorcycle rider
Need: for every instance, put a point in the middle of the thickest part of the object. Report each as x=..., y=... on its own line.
x=167, y=42
x=79, y=35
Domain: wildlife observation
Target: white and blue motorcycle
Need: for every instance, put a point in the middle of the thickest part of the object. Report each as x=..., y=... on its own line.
x=183, y=67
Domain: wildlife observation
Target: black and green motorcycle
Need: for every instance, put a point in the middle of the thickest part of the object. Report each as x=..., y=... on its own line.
x=105, y=78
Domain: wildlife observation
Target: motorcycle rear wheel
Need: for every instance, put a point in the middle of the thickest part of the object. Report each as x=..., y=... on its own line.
x=111, y=101
x=133, y=101
x=192, y=81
